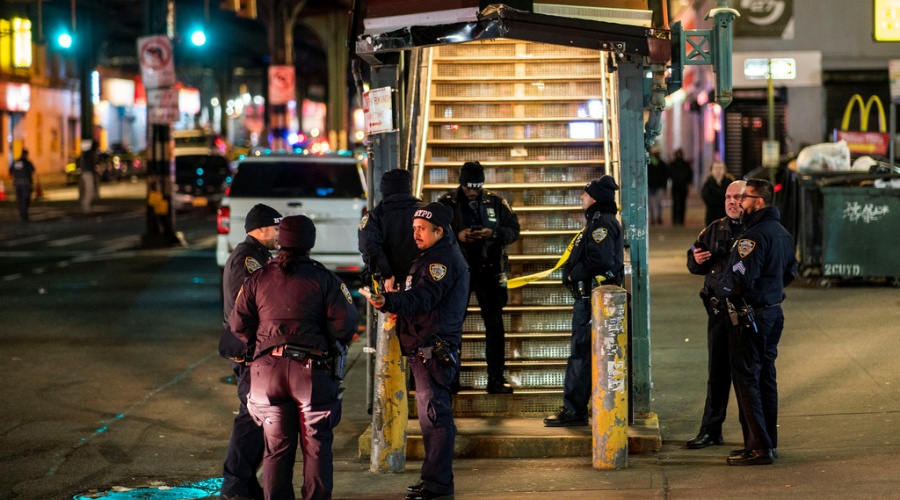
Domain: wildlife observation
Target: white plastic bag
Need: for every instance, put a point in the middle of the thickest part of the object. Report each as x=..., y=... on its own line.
x=824, y=157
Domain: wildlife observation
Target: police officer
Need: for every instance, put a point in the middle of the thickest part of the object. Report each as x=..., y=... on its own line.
x=761, y=264
x=22, y=171
x=430, y=311
x=299, y=317
x=597, y=255
x=708, y=257
x=245, y=450
x=385, y=234
x=485, y=224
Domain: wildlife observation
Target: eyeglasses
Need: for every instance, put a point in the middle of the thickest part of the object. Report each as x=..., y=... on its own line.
x=745, y=196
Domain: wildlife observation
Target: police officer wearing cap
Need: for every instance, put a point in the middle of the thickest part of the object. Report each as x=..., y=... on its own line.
x=245, y=450
x=299, y=317
x=485, y=224
x=597, y=256
x=708, y=257
x=430, y=310
x=385, y=234
x=760, y=265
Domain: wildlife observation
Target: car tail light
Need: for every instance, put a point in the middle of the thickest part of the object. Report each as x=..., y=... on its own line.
x=364, y=210
x=223, y=220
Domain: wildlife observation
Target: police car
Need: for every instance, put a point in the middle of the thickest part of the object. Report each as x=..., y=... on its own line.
x=328, y=188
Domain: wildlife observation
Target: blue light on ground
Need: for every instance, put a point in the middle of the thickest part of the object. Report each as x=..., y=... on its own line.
x=186, y=491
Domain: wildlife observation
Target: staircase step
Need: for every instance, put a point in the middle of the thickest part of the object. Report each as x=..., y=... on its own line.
x=521, y=403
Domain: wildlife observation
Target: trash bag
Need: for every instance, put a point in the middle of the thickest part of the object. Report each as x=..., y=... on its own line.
x=824, y=157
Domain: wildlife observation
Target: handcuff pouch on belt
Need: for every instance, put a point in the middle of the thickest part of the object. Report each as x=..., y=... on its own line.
x=440, y=351
x=741, y=314
x=338, y=360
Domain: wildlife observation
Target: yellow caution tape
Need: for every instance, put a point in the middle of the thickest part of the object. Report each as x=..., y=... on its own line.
x=531, y=278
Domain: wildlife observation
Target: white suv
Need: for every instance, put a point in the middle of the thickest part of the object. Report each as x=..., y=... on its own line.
x=330, y=189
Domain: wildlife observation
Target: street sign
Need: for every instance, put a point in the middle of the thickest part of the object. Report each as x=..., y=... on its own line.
x=378, y=110
x=162, y=106
x=770, y=153
x=281, y=84
x=157, y=63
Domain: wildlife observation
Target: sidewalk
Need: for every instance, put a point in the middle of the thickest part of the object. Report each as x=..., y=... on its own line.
x=840, y=405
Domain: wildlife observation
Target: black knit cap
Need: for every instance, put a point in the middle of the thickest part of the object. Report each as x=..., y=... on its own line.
x=471, y=175
x=396, y=181
x=261, y=216
x=297, y=231
x=602, y=189
x=436, y=213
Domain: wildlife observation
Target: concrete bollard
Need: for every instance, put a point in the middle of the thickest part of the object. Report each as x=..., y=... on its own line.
x=390, y=409
x=609, y=380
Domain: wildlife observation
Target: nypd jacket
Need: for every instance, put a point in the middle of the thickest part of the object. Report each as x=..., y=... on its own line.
x=718, y=238
x=598, y=250
x=310, y=308
x=249, y=256
x=761, y=262
x=386, y=236
x=493, y=212
x=433, y=302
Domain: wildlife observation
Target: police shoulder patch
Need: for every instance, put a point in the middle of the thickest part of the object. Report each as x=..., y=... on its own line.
x=252, y=265
x=599, y=234
x=438, y=271
x=362, y=223
x=745, y=247
x=346, y=293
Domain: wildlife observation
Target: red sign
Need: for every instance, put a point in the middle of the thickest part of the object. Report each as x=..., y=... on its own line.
x=865, y=143
x=281, y=84
x=157, y=65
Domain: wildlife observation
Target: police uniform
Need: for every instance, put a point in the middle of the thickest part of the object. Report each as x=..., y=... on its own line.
x=385, y=234
x=431, y=308
x=717, y=238
x=598, y=252
x=760, y=265
x=487, y=261
x=22, y=171
x=245, y=449
x=297, y=320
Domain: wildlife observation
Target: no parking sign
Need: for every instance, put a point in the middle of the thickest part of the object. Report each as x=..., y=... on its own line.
x=281, y=84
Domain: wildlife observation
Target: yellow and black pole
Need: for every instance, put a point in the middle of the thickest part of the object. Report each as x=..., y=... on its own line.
x=609, y=377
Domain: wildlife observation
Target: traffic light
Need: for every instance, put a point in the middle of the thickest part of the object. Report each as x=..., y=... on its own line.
x=198, y=37
x=64, y=40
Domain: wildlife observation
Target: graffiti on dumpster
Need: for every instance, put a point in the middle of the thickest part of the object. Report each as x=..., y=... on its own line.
x=842, y=270
x=855, y=212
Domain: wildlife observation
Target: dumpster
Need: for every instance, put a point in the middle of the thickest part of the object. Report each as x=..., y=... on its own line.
x=861, y=234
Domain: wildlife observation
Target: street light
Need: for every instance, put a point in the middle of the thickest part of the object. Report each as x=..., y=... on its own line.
x=198, y=37
x=64, y=40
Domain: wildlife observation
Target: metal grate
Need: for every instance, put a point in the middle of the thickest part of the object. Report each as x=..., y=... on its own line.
x=553, y=197
x=493, y=90
x=547, y=50
x=542, y=349
x=561, y=89
x=567, y=110
x=590, y=152
x=546, y=296
x=551, y=221
x=480, y=132
x=475, y=50
x=547, y=322
x=563, y=174
x=543, y=69
x=463, y=111
x=474, y=323
x=538, y=378
x=469, y=70
x=538, y=267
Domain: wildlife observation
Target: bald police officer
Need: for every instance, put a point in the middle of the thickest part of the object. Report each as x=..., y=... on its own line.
x=245, y=450
x=299, y=317
x=430, y=311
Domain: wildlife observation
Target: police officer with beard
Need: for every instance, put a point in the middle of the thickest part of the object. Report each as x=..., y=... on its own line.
x=485, y=224
x=299, y=317
x=385, y=234
x=245, y=450
x=430, y=311
x=760, y=265
x=708, y=256
x=597, y=256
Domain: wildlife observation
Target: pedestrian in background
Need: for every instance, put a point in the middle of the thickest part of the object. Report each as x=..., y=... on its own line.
x=708, y=257
x=713, y=191
x=485, y=224
x=682, y=175
x=597, y=256
x=22, y=172
x=430, y=311
x=657, y=179
x=385, y=234
x=245, y=449
x=298, y=316
x=760, y=265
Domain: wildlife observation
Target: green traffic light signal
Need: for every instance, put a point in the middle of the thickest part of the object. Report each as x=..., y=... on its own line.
x=64, y=40
x=198, y=38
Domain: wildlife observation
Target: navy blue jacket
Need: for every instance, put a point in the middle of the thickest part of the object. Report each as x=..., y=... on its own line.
x=718, y=238
x=492, y=212
x=762, y=261
x=386, y=236
x=598, y=250
x=249, y=256
x=434, y=299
